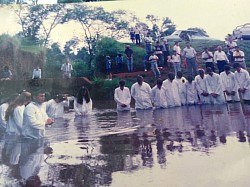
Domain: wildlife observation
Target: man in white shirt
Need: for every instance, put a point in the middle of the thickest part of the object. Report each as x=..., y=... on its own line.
x=122, y=97
x=158, y=96
x=137, y=36
x=208, y=57
x=239, y=57
x=214, y=87
x=176, y=61
x=243, y=80
x=37, y=73
x=201, y=87
x=154, y=66
x=189, y=54
x=177, y=48
x=231, y=48
x=230, y=87
x=35, y=117
x=148, y=43
x=141, y=92
x=220, y=58
x=66, y=69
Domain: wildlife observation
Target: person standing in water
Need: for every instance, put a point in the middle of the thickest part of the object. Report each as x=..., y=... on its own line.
x=122, y=97
x=83, y=102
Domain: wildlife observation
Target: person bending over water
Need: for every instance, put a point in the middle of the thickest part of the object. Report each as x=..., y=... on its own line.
x=83, y=102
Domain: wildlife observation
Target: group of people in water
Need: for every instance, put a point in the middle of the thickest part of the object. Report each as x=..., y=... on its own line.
x=207, y=88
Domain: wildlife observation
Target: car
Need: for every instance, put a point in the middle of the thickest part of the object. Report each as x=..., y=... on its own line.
x=242, y=32
x=187, y=35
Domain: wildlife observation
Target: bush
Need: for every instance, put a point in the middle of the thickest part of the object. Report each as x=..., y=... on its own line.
x=81, y=69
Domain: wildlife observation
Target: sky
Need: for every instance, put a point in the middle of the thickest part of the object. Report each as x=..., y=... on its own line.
x=217, y=17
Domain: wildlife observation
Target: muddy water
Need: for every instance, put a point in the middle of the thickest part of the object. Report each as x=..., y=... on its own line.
x=185, y=146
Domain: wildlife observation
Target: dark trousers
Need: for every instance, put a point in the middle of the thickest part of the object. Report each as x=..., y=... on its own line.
x=221, y=64
x=137, y=39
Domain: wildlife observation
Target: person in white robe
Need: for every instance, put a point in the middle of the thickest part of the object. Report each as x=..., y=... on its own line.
x=35, y=117
x=243, y=80
x=172, y=91
x=229, y=84
x=181, y=81
x=83, y=102
x=14, y=114
x=141, y=92
x=214, y=87
x=122, y=97
x=201, y=87
x=190, y=92
x=55, y=107
x=158, y=96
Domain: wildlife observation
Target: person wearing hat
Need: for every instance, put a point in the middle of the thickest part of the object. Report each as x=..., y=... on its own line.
x=207, y=57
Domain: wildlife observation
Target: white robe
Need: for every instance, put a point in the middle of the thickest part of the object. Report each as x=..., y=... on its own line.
x=158, y=97
x=181, y=83
x=141, y=94
x=84, y=108
x=200, y=84
x=15, y=122
x=214, y=85
x=243, y=80
x=172, y=93
x=54, y=109
x=3, y=109
x=190, y=93
x=34, y=120
x=122, y=97
x=229, y=84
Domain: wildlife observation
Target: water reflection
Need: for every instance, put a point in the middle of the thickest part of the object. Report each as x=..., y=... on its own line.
x=89, y=151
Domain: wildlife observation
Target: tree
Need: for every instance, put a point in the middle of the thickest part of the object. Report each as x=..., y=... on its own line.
x=38, y=21
x=199, y=30
x=95, y=22
x=161, y=27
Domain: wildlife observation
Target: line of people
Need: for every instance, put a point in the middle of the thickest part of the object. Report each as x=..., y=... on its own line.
x=209, y=88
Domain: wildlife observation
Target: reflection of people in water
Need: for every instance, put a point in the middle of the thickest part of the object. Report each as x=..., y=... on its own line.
x=161, y=155
x=146, y=152
x=31, y=158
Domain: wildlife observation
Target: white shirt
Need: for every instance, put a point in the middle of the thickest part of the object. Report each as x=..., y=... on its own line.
x=148, y=39
x=201, y=87
x=34, y=120
x=37, y=73
x=189, y=52
x=232, y=45
x=153, y=58
x=219, y=56
x=239, y=54
x=158, y=97
x=176, y=58
x=177, y=48
x=190, y=93
x=122, y=97
x=54, y=109
x=243, y=80
x=84, y=108
x=67, y=68
x=3, y=108
x=142, y=95
x=15, y=122
x=172, y=93
x=181, y=82
x=204, y=56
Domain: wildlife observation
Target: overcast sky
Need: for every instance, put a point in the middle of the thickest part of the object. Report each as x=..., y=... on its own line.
x=217, y=17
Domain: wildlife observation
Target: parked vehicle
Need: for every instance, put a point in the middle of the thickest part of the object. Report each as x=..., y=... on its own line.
x=187, y=35
x=242, y=32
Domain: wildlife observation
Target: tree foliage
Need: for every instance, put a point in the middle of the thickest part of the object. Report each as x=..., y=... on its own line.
x=199, y=30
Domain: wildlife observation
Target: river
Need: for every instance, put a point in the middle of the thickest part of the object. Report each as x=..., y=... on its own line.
x=191, y=146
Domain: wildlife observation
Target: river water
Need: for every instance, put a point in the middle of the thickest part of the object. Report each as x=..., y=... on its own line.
x=191, y=146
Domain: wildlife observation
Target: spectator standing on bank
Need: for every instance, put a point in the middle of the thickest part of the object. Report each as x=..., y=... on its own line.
x=154, y=66
x=208, y=57
x=177, y=48
x=220, y=58
x=132, y=35
x=137, y=36
x=148, y=43
x=108, y=67
x=66, y=69
x=129, y=55
x=165, y=50
x=176, y=61
x=37, y=73
x=189, y=54
x=239, y=57
x=119, y=62
x=159, y=53
x=231, y=48
x=6, y=74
